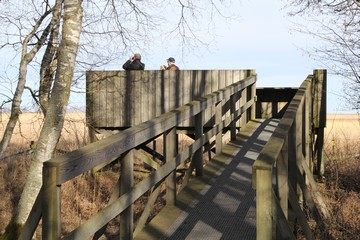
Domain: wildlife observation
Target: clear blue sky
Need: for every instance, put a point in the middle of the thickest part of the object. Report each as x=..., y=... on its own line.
x=261, y=39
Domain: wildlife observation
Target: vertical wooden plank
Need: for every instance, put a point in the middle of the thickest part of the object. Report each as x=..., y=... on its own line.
x=102, y=101
x=51, y=203
x=179, y=87
x=137, y=110
x=197, y=84
x=264, y=205
x=110, y=98
x=198, y=158
x=209, y=112
x=126, y=183
x=282, y=176
x=173, y=96
x=229, y=78
x=222, y=79
x=146, y=99
x=300, y=143
x=118, y=98
x=187, y=90
x=212, y=86
x=242, y=103
x=308, y=132
x=214, y=80
x=233, y=122
x=218, y=120
x=152, y=92
x=159, y=85
x=170, y=145
x=319, y=107
x=319, y=115
x=166, y=93
x=127, y=104
x=253, y=96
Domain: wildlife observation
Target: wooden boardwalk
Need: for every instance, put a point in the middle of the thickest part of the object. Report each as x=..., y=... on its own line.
x=221, y=204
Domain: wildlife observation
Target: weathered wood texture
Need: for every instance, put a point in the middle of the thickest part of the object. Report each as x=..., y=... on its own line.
x=287, y=158
x=68, y=166
x=121, y=99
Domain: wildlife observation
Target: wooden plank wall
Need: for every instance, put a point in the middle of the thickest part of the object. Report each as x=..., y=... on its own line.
x=121, y=99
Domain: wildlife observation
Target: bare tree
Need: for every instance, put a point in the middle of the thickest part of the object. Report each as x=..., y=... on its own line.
x=108, y=28
x=336, y=24
x=26, y=58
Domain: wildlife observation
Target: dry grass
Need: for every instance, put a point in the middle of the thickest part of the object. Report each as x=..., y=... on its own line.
x=85, y=195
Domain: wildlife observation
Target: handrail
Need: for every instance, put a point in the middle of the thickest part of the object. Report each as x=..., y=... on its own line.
x=287, y=156
x=63, y=168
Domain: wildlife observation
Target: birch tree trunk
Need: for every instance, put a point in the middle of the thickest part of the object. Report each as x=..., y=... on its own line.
x=51, y=130
x=26, y=58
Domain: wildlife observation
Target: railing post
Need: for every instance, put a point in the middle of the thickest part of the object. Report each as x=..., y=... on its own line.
x=126, y=183
x=319, y=115
x=198, y=158
x=292, y=170
x=232, y=113
x=308, y=132
x=264, y=205
x=243, y=98
x=51, y=203
x=253, y=96
x=170, y=151
x=282, y=173
x=218, y=121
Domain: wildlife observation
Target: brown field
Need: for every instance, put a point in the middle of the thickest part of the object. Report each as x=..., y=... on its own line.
x=342, y=132
x=82, y=197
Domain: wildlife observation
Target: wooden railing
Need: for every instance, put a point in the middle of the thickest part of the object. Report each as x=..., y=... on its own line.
x=283, y=172
x=231, y=104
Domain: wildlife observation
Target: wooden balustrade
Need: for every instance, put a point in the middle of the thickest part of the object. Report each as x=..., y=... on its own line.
x=288, y=158
x=229, y=109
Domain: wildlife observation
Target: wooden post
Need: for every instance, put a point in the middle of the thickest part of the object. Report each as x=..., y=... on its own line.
x=319, y=115
x=232, y=113
x=218, y=120
x=264, y=205
x=307, y=129
x=126, y=183
x=292, y=170
x=300, y=144
x=282, y=174
x=243, y=118
x=253, y=96
x=198, y=158
x=51, y=205
x=170, y=150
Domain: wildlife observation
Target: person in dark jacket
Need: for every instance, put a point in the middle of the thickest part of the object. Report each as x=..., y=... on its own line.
x=134, y=63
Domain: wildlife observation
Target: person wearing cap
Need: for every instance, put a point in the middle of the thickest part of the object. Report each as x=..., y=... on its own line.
x=171, y=65
x=134, y=63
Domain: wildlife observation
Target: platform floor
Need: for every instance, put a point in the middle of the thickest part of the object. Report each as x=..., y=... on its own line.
x=221, y=203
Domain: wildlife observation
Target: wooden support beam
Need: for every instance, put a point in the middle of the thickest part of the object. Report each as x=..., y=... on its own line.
x=198, y=156
x=51, y=204
x=265, y=222
x=126, y=184
x=170, y=149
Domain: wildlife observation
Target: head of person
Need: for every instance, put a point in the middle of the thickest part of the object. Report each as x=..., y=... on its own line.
x=170, y=60
x=137, y=56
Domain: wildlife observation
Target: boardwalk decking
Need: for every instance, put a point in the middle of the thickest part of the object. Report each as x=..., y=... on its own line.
x=221, y=204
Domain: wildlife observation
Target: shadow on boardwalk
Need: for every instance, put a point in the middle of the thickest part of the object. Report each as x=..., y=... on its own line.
x=221, y=204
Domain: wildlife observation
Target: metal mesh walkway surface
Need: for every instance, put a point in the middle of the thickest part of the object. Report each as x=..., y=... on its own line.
x=221, y=203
